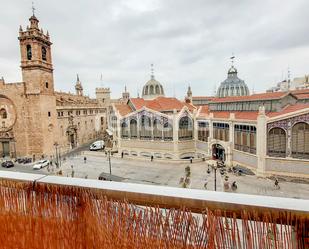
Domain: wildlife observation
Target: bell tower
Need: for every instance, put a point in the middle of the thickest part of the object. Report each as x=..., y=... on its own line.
x=36, y=61
x=40, y=101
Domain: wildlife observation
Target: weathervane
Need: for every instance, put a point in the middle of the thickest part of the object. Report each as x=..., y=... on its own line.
x=33, y=9
x=232, y=59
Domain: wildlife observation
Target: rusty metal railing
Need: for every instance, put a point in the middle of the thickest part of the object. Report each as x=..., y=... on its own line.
x=63, y=212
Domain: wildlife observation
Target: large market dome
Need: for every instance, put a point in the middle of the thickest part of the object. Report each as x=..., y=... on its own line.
x=152, y=89
x=232, y=86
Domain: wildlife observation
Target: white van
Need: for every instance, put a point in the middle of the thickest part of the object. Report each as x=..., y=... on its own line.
x=97, y=145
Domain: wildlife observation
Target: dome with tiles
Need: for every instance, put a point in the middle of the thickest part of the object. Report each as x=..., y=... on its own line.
x=152, y=89
x=232, y=86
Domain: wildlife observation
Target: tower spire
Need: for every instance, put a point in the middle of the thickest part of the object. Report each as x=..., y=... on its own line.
x=33, y=9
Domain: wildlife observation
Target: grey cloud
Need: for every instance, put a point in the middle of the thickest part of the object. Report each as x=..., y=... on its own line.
x=188, y=41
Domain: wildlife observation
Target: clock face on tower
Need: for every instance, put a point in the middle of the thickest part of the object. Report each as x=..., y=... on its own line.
x=7, y=114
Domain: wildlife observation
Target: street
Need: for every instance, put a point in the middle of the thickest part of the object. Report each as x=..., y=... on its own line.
x=164, y=173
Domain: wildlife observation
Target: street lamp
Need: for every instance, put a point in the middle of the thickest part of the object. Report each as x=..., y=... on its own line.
x=14, y=143
x=214, y=167
x=109, y=161
x=56, y=149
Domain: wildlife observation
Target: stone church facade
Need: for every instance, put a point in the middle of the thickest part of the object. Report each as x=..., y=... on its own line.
x=34, y=118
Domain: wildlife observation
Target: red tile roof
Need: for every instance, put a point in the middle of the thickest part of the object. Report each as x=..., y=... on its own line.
x=302, y=96
x=289, y=109
x=249, y=115
x=203, y=97
x=253, y=97
x=160, y=104
x=123, y=109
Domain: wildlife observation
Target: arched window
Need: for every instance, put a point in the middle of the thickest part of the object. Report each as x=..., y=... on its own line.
x=146, y=90
x=185, y=131
x=151, y=90
x=46, y=84
x=145, y=127
x=133, y=128
x=300, y=140
x=242, y=90
x=162, y=92
x=167, y=131
x=276, y=142
x=157, y=129
x=157, y=89
x=3, y=114
x=44, y=54
x=232, y=91
x=29, y=52
x=124, y=129
x=226, y=92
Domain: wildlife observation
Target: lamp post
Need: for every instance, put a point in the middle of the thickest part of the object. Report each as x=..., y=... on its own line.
x=56, y=149
x=214, y=167
x=14, y=144
x=109, y=162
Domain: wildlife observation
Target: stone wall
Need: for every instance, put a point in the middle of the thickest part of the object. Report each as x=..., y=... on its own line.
x=244, y=159
x=286, y=166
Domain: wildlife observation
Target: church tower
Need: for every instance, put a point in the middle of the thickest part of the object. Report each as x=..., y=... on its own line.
x=78, y=87
x=40, y=101
x=36, y=61
x=125, y=95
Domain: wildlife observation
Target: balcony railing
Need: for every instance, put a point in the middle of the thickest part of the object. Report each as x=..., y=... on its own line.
x=38, y=211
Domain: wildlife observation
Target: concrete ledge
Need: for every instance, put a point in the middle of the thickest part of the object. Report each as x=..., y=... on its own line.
x=170, y=197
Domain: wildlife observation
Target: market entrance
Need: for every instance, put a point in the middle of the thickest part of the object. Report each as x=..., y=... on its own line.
x=218, y=152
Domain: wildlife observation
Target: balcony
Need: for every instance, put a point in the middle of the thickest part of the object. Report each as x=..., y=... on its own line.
x=38, y=211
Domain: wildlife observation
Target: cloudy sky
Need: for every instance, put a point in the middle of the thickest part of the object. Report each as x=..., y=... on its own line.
x=188, y=41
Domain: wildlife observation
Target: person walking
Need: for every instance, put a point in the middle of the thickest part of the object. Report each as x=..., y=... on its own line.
x=85, y=159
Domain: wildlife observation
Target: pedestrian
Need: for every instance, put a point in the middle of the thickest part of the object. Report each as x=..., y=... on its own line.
x=85, y=159
x=191, y=160
x=276, y=184
x=121, y=154
x=234, y=186
x=151, y=158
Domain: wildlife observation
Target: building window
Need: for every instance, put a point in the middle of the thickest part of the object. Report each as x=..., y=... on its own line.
x=46, y=84
x=145, y=127
x=185, y=131
x=124, y=129
x=133, y=128
x=221, y=131
x=157, y=129
x=43, y=53
x=29, y=52
x=3, y=114
x=167, y=131
x=300, y=140
x=245, y=138
x=203, y=131
x=48, y=114
x=276, y=142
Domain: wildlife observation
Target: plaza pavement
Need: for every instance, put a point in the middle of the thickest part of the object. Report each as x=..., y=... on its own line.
x=169, y=174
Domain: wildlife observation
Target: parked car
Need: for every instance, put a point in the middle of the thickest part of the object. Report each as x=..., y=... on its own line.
x=41, y=164
x=23, y=160
x=107, y=177
x=7, y=164
x=97, y=145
